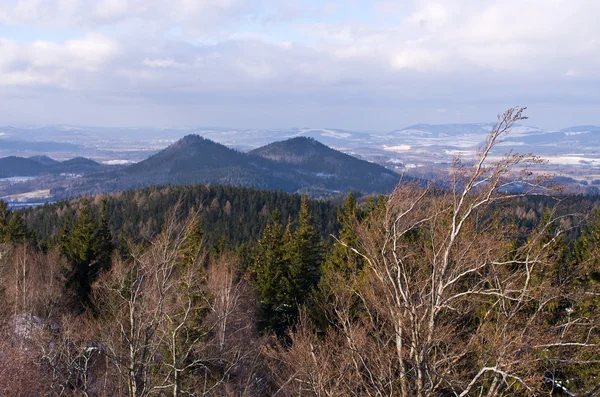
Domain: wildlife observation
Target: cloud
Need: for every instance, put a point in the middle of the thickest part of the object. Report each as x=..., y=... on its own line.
x=340, y=56
x=45, y=62
x=162, y=63
x=417, y=59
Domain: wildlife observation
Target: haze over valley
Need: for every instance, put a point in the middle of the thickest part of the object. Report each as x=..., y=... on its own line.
x=422, y=150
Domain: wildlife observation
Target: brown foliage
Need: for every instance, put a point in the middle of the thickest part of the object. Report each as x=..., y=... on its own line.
x=447, y=304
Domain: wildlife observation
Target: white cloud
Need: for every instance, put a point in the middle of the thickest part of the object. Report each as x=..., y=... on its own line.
x=363, y=53
x=45, y=62
x=417, y=59
x=162, y=63
x=571, y=73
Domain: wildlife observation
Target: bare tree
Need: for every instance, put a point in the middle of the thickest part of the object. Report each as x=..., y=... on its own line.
x=209, y=334
x=448, y=303
x=235, y=343
x=173, y=324
x=135, y=297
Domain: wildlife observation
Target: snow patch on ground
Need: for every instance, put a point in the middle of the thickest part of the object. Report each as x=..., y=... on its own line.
x=335, y=134
x=17, y=179
x=324, y=132
x=465, y=153
x=572, y=160
x=397, y=148
x=522, y=130
x=414, y=132
x=37, y=194
x=569, y=133
x=323, y=175
x=118, y=162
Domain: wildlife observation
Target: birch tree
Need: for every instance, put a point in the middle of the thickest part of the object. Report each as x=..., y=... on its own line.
x=449, y=303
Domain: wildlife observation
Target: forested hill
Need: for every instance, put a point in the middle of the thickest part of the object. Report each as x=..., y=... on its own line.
x=320, y=171
x=234, y=215
x=341, y=171
x=38, y=165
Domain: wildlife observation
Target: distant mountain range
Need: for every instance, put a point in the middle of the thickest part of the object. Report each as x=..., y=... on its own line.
x=248, y=157
x=39, y=165
x=431, y=142
x=295, y=165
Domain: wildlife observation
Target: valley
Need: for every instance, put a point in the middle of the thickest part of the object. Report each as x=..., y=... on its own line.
x=127, y=158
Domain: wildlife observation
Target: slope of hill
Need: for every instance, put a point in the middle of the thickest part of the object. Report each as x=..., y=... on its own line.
x=44, y=160
x=18, y=166
x=194, y=159
x=327, y=167
x=315, y=169
x=236, y=214
x=40, y=165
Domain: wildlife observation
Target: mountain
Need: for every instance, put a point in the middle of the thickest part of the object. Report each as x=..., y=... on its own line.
x=295, y=165
x=18, y=166
x=327, y=167
x=445, y=130
x=194, y=159
x=78, y=165
x=39, y=165
x=44, y=160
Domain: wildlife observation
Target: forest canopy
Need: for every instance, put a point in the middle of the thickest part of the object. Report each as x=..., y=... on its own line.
x=470, y=289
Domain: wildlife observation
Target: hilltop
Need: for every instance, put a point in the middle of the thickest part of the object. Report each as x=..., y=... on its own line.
x=296, y=165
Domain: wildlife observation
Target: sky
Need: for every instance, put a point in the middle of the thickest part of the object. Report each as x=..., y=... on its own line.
x=349, y=64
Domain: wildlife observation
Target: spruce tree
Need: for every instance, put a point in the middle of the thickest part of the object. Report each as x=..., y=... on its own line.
x=17, y=229
x=194, y=240
x=78, y=248
x=12, y=225
x=270, y=278
x=4, y=213
x=102, y=241
x=343, y=259
x=305, y=257
x=342, y=266
x=587, y=253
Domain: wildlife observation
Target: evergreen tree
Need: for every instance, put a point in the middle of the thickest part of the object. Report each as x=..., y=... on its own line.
x=4, y=213
x=306, y=255
x=194, y=240
x=342, y=258
x=287, y=268
x=78, y=248
x=342, y=266
x=17, y=229
x=585, y=273
x=270, y=278
x=103, y=242
x=587, y=253
x=12, y=225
